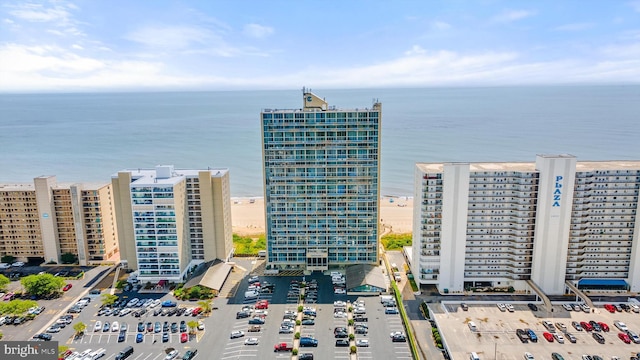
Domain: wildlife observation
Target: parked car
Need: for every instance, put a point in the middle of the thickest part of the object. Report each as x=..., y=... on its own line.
x=236, y=334
x=139, y=337
x=598, y=337
x=67, y=287
x=624, y=337
x=576, y=325
x=342, y=342
x=548, y=336
x=532, y=307
x=184, y=337
x=251, y=341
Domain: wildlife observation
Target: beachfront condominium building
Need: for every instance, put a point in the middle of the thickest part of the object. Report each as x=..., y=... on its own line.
x=170, y=220
x=321, y=173
x=44, y=220
x=503, y=224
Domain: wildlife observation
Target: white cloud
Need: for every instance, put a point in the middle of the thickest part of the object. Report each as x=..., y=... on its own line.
x=631, y=51
x=415, y=50
x=77, y=47
x=7, y=21
x=55, y=12
x=257, y=31
x=172, y=37
x=440, y=25
x=39, y=13
x=513, y=15
x=635, y=5
x=574, y=27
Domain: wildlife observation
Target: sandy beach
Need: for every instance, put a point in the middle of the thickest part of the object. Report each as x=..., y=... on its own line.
x=247, y=215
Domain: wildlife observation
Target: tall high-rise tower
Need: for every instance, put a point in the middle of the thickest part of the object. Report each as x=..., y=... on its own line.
x=322, y=189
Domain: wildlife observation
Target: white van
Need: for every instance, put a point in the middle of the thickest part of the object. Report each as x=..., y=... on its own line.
x=250, y=295
x=474, y=356
x=386, y=298
x=472, y=326
x=262, y=253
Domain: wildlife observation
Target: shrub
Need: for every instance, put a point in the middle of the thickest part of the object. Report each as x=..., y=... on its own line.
x=298, y=322
x=300, y=308
x=297, y=335
x=353, y=349
x=396, y=241
x=351, y=336
x=294, y=351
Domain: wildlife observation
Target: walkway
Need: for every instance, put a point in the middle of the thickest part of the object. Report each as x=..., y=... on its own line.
x=578, y=292
x=541, y=294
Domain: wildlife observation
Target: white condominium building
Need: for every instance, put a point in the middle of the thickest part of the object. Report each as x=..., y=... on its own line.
x=500, y=224
x=45, y=220
x=172, y=219
x=321, y=173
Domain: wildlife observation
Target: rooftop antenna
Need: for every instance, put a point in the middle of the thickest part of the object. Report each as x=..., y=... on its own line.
x=304, y=90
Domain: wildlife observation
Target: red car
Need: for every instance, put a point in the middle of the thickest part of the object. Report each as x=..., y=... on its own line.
x=67, y=287
x=262, y=304
x=184, y=337
x=548, y=336
x=604, y=326
x=196, y=311
x=624, y=337
x=610, y=308
x=586, y=326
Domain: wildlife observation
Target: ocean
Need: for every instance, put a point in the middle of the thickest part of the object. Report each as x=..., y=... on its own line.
x=87, y=137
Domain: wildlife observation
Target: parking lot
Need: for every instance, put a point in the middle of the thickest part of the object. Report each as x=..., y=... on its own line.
x=496, y=337
x=222, y=321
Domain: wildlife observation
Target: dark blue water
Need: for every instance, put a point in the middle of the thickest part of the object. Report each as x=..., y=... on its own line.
x=88, y=137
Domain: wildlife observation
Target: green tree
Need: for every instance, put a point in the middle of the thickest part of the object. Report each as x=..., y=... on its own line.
x=4, y=281
x=9, y=259
x=79, y=327
x=108, y=299
x=206, y=305
x=42, y=284
x=16, y=307
x=68, y=258
x=192, y=326
x=195, y=292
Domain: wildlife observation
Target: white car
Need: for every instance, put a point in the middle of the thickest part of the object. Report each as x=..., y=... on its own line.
x=528, y=356
x=125, y=311
x=236, y=334
x=251, y=341
x=510, y=308
x=115, y=326
x=261, y=312
x=4, y=266
x=502, y=307
x=171, y=355
x=340, y=315
x=396, y=333
x=620, y=325
x=188, y=311
x=362, y=343
x=18, y=264
x=339, y=291
x=98, y=326
x=559, y=338
x=200, y=325
x=339, y=303
x=567, y=307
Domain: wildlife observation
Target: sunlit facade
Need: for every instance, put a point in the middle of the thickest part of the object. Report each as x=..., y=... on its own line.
x=321, y=171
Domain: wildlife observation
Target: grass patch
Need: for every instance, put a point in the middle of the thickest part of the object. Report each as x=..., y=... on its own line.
x=396, y=241
x=249, y=245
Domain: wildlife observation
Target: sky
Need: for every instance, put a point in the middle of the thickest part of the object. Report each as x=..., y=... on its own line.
x=160, y=45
